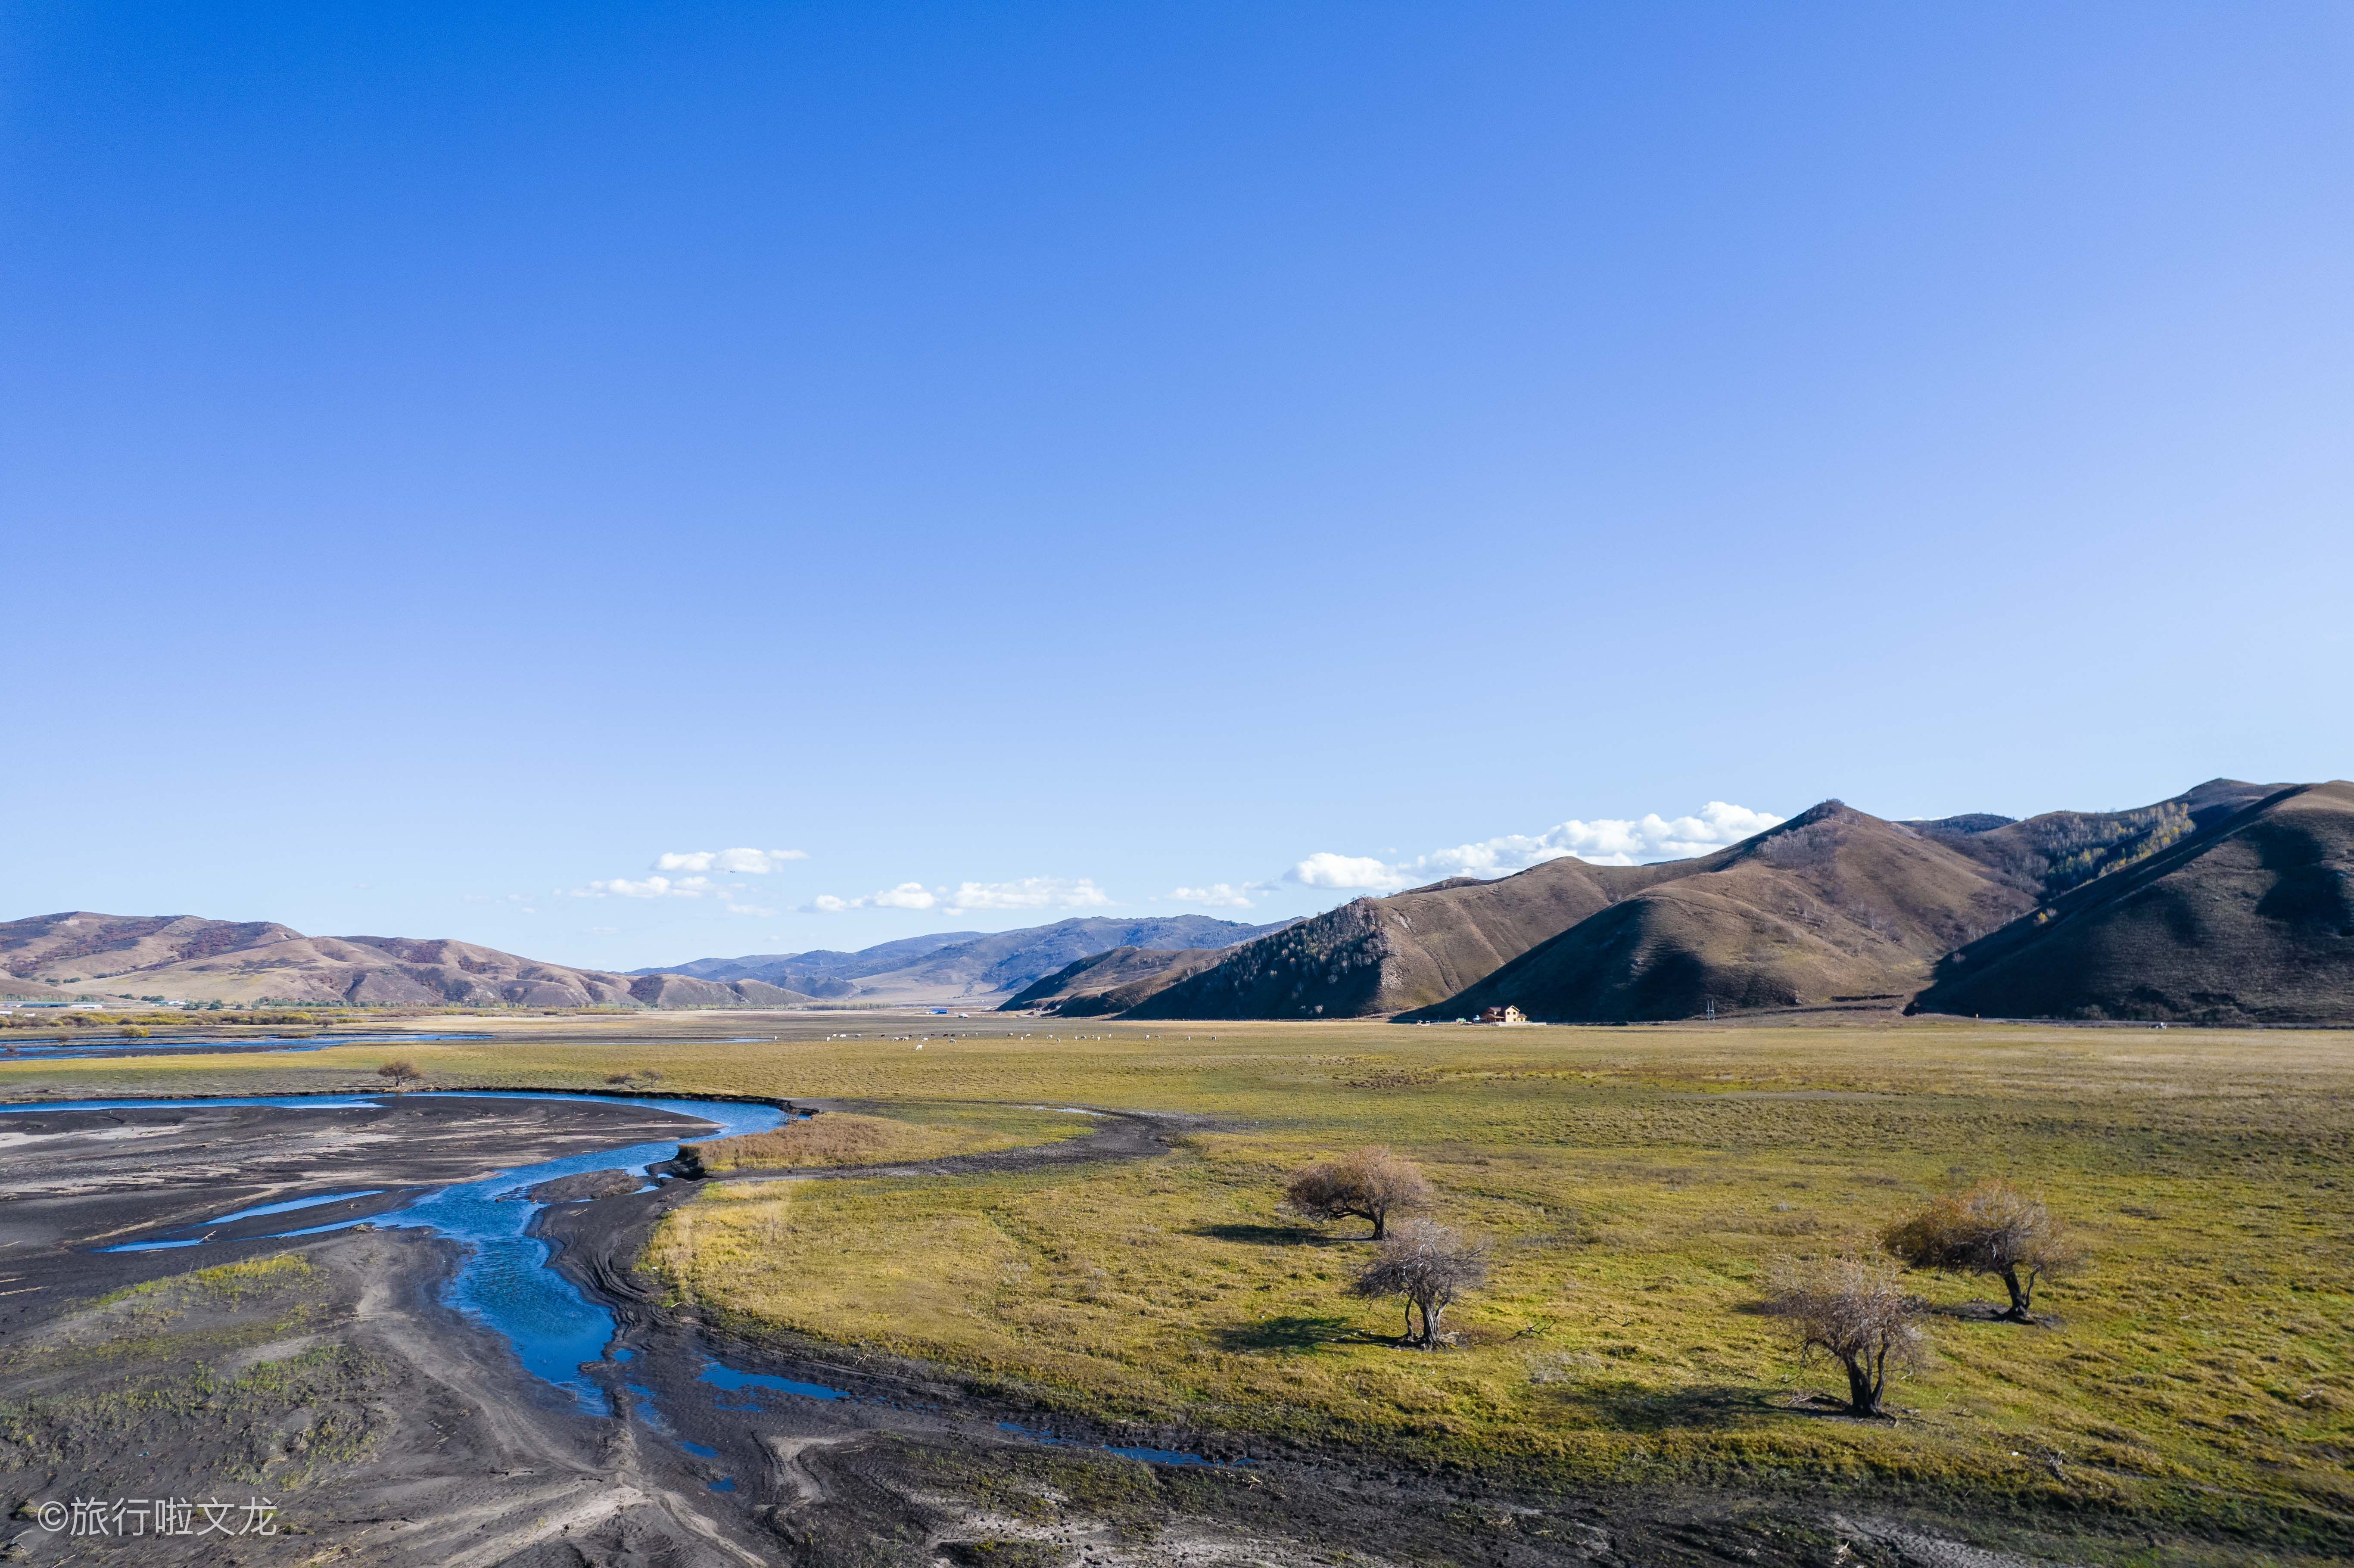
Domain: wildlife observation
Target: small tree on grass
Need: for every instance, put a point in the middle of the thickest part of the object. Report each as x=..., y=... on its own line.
x=1856, y=1311
x=1371, y=1184
x=1427, y=1263
x=1993, y=1228
x=400, y=1072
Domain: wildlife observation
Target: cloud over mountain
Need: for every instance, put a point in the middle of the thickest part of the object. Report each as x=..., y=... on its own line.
x=1603, y=842
x=1029, y=893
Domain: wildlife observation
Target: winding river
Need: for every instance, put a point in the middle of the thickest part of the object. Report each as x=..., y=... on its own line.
x=505, y=1282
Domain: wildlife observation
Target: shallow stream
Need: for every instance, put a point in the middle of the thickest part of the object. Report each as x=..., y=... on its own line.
x=506, y=1282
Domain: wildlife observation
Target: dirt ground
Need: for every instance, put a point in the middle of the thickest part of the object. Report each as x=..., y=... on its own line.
x=325, y=1376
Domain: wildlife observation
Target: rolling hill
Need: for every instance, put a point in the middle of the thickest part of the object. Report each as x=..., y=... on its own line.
x=1110, y=982
x=1831, y=906
x=2248, y=920
x=1388, y=955
x=186, y=958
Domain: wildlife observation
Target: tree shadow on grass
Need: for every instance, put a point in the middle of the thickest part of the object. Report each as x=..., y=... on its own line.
x=1269, y=1236
x=1630, y=1407
x=1293, y=1334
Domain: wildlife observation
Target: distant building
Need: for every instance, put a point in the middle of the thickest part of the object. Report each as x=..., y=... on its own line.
x=1503, y=1015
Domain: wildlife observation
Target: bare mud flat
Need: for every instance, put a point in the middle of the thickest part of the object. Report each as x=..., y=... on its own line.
x=323, y=1377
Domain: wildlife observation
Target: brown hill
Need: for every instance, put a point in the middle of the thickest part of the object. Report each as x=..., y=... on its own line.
x=79, y=945
x=2049, y=854
x=1111, y=982
x=1833, y=905
x=1411, y=949
x=2250, y=920
x=685, y=990
x=185, y=957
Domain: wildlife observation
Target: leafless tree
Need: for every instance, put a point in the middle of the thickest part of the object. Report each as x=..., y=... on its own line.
x=1993, y=1228
x=1856, y=1311
x=401, y=1072
x=1427, y=1263
x=1371, y=1184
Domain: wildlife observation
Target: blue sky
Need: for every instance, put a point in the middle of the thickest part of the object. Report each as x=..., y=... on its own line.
x=1052, y=456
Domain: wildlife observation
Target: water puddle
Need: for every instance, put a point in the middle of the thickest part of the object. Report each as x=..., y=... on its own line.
x=292, y=1203
x=728, y=1378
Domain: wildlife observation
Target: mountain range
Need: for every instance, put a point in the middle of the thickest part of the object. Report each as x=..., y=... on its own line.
x=966, y=966
x=2231, y=903
x=187, y=957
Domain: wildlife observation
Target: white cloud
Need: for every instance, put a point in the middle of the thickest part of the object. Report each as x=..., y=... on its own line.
x=749, y=861
x=648, y=887
x=1325, y=868
x=906, y=895
x=1604, y=841
x=1030, y=893
x=1220, y=894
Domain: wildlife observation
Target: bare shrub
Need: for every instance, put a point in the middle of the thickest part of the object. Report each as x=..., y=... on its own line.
x=634, y=1078
x=1430, y=1264
x=1856, y=1311
x=400, y=1072
x=1993, y=1228
x=1371, y=1184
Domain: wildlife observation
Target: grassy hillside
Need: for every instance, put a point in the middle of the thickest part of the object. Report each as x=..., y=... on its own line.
x=1388, y=955
x=2250, y=920
x=1112, y=982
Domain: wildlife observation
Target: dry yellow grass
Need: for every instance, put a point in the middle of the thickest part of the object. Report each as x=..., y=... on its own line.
x=842, y=1137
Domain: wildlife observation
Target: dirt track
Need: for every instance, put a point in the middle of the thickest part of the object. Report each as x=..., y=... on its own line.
x=390, y=1430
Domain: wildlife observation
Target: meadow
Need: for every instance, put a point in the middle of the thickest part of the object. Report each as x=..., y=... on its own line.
x=1637, y=1183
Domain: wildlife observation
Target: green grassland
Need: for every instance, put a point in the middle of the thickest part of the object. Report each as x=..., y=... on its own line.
x=1637, y=1183
x=913, y=1132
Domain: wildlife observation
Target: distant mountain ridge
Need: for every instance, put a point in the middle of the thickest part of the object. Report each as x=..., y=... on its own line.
x=969, y=965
